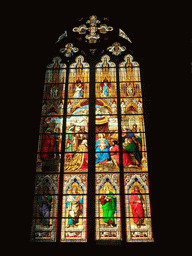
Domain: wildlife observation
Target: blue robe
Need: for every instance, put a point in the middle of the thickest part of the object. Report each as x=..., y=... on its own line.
x=102, y=155
x=128, y=135
x=105, y=90
x=44, y=203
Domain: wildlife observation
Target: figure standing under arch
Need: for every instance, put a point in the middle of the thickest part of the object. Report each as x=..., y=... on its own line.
x=137, y=203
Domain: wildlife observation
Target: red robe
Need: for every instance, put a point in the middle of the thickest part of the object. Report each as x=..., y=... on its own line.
x=126, y=159
x=137, y=208
x=47, y=144
x=85, y=160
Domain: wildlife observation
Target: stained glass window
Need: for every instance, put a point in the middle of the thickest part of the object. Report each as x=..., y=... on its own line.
x=74, y=204
x=45, y=213
x=91, y=180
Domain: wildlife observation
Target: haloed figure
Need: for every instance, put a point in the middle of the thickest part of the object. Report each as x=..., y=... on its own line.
x=108, y=202
x=44, y=203
x=137, y=203
x=102, y=150
x=74, y=205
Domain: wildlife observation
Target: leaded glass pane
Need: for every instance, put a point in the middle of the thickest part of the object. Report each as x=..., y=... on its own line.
x=92, y=129
x=74, y=208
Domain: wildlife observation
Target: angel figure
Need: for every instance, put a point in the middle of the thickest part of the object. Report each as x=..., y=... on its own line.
x=105, y=88
x=114, y=107
x=123, y=107
x=78, y=90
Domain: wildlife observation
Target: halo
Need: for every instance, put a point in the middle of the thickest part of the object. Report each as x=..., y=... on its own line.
x=75, y=185
x=108, y=186
x=136, y=184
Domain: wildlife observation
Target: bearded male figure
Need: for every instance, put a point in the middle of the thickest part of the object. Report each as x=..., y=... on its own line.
x=137, y=203
x=108, y=202
x=74, y=205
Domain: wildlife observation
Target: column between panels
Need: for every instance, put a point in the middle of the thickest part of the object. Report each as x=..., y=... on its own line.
x=62, y=159
x=121, y=159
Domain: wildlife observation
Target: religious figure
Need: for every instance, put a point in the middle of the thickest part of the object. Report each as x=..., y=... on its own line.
x=74, y=206
x=60, y=107
x=137, y=206
x=79, y=120
x=108, y=202
x=102, y=150
x=47, y=144
x=133, y=151
x=114, y=151
x=57, y=140
x=68, y=139
x=55, y=92
x=98, y=112
x=130, y=91
x=138, y=137
x=75, y=138
x=123, y=107
x=44, y=207
x=82, y=134
x=114, y=107
x=44, y=109
x=78, y=90
x=51, y=93
x=105, y=88
x=79, y=161
x=69, y=108
x=139, y=105
x=132, y=145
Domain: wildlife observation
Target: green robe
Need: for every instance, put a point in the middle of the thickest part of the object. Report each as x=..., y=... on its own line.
x=139, y=139
x=132, y=148
x=109, y=209
x=69, y=148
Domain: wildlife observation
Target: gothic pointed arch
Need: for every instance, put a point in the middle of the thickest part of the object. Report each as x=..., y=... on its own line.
x=92, y=164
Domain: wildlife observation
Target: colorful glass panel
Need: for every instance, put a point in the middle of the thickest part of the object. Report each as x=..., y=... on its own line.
x=130, y=89
x=116, y=153
x=137, y=205
x=74, y=208
x=132, y=122
x=55, y=79
x=49, y=106
x=131, y=105
x=107, y=201
x=106, y=152
x=45, y=208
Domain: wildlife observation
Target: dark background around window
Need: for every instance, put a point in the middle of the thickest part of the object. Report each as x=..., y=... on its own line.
x=152, y=48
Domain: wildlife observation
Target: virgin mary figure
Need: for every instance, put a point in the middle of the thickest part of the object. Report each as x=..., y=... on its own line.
x=102, y=150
